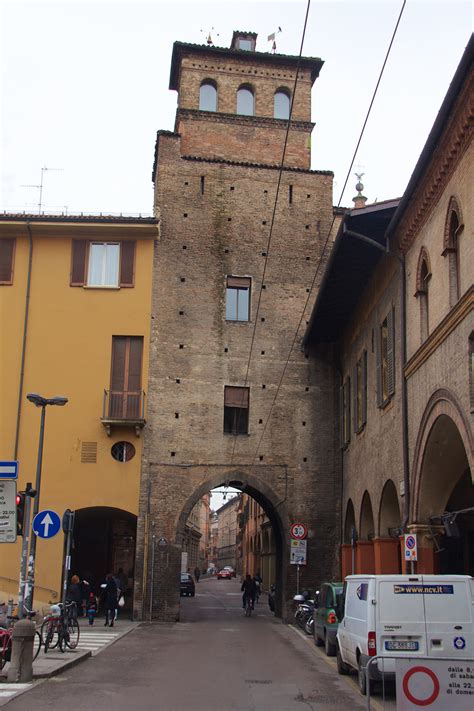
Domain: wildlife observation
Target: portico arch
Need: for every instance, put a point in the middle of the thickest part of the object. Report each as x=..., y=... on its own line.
x=442, y=483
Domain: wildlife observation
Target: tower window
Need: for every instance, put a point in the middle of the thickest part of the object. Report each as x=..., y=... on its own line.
x=245, y=44
x=236, y=410
x=245, y=101
x=281, y=105
x=208, y=96
x=238, y=298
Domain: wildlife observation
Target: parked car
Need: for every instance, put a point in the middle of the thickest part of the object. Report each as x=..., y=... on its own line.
x=224, y=573
x=400, y=616
x=187, y=586
x=325, y=617
x=231, y=569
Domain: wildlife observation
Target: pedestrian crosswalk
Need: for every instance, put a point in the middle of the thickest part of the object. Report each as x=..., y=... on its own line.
x=94, y=639
x=9, y=690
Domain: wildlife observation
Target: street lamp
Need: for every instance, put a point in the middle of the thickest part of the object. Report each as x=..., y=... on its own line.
x=42, y=402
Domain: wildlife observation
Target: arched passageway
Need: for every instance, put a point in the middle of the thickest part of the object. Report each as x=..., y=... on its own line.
x=103, y=542
x=365, y=562
x=443, y=502
x=387, y=553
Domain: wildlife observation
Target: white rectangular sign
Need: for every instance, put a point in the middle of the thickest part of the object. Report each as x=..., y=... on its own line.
x=7, y=511
x=435, y=685
x=297, y=552
x=411, y=548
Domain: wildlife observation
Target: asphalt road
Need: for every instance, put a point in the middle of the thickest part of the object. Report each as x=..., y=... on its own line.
x=215, y=659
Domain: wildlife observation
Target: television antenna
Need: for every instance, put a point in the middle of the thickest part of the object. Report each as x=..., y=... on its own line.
x=271, y=38
x=40, y=186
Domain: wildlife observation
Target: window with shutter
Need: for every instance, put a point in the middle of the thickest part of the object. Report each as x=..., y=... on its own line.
x=347, y=411
x=125, y=380
x=355, y=398
x=360, y=393
x=7, y=251
x=378, y=364
x=236, y=410
x=364, y=388
x=103, y=264
x=391, y=352
x=386, y=359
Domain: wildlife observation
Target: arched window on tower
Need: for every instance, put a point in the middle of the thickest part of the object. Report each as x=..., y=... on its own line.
x=452, y=232
x=208, y=96
x=422, y=293
x=281, y=104
x=245, y=101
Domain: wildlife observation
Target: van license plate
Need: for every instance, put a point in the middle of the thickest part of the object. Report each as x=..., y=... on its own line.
x=399, y=646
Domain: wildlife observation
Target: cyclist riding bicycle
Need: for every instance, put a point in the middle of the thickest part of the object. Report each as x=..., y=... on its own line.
x=249, y=588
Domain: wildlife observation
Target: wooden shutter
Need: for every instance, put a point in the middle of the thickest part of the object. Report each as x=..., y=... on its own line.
x=355, y=394
x=347, y=411
x=7, y=250
x=378, y=364
x=364, y=388
x=238, y=282
x=391, y=352
x=78, y=262
x=127, y=263
x=125, y=381
x=236, y=397
x=341, y=416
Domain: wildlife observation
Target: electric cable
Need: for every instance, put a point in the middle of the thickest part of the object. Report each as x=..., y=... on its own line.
x=329, y=231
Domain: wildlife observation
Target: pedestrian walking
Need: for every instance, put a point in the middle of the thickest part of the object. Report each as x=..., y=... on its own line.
x=197, y=573
x=74, y=594
x=91, y=608
x=110, y=600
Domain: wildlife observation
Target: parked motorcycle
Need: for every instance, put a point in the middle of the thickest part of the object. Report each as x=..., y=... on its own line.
x=304, y=611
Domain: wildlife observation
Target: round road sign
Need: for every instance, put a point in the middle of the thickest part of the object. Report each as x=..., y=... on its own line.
x=410, y=542
x=298, y=531
x=413, y=693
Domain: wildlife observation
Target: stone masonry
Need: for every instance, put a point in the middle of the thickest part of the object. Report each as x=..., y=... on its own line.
x=216, y=180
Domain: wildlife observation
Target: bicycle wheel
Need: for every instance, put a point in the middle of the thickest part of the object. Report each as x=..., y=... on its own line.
x=51, y=635
x=36, y=644
x=49, y=624
x=5, y=649
x=72, y=637
x=62, y=638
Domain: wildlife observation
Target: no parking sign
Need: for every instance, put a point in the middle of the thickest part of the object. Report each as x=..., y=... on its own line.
x=411, y=552
x=437, y=686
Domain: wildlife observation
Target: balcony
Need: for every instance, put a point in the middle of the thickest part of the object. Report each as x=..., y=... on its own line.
x=123, y=409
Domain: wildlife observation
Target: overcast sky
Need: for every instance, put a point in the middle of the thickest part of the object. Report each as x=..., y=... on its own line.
x=85, y=88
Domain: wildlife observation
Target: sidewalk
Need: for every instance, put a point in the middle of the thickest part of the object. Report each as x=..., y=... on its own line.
x=92, y=639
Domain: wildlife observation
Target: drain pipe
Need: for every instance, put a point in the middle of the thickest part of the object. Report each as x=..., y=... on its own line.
x=23, y=346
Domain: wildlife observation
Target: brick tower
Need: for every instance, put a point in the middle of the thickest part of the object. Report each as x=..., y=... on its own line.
x=225, y=310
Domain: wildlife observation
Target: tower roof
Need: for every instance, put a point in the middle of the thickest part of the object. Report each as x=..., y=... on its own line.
x=181, y=49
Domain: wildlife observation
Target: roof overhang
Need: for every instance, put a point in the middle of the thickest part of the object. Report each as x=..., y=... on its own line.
x=85, y=226
x=350, y=266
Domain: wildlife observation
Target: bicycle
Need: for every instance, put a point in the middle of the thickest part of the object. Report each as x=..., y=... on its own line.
x=60, y=628
x=249, y=606
x=6, y=639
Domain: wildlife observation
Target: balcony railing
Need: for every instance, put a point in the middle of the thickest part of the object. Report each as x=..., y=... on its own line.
x=123, y=408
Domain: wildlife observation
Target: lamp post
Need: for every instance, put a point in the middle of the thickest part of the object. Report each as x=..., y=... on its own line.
x=42, y=402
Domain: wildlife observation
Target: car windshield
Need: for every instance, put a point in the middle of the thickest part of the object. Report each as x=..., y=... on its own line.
x=185, y=577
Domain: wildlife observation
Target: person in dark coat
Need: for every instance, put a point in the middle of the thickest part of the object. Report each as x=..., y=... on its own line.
x=74, y=594
x=110, y=599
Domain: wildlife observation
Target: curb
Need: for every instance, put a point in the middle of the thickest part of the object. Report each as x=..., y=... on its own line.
x=62, y=666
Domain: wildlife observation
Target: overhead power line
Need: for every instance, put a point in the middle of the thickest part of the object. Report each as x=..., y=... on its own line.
x=329, y=231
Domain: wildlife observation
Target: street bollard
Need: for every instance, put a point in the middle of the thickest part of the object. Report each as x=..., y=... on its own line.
x=21, y=665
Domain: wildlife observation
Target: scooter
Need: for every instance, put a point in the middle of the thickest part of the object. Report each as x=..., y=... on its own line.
x=304, y=611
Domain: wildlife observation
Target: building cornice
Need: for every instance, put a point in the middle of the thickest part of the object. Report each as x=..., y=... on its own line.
x=50, y=226
x=240, y=120
x=262, y=166
x=445, y=159
x=457, y=314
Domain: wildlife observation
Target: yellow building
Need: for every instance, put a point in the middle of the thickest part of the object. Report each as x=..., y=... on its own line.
x=75, y=302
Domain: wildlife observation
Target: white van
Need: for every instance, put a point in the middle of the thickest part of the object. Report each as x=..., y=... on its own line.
x=401, y=616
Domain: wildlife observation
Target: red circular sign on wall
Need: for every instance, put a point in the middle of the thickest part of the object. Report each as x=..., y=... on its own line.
x=298, y=531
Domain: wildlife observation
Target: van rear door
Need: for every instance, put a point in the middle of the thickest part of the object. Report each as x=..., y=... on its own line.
x=449, y=616
x=400, y=614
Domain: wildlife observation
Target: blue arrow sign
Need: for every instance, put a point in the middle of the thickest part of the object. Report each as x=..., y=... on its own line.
x=8, y=470
x=46, y=524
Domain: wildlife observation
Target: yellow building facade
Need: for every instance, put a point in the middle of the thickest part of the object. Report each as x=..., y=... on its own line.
x=75, y=302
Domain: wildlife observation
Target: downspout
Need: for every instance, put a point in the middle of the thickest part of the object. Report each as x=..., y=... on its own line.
x=23, y=347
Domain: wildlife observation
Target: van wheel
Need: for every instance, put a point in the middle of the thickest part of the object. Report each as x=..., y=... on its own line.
x=342, y=668
x=329, y=647
x=363, y=681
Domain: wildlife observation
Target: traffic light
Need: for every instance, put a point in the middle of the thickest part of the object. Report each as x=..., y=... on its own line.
x=20, y=512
